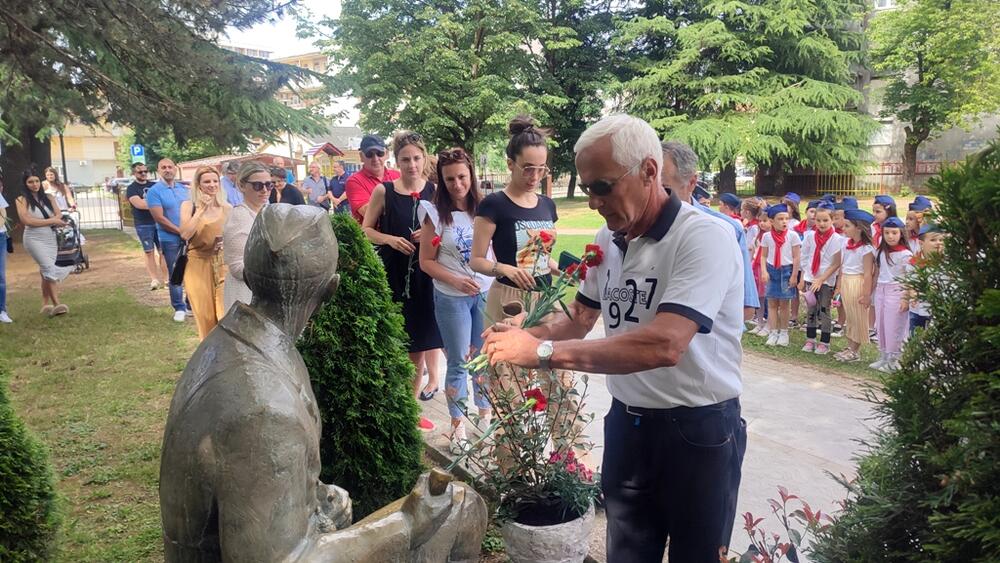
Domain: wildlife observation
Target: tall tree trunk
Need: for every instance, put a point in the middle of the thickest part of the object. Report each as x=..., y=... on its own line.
x=727, y=179
x=571, y=189
x=30, y=152
x=910, y=158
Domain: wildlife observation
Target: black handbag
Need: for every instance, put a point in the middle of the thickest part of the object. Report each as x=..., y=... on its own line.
x=177, y=274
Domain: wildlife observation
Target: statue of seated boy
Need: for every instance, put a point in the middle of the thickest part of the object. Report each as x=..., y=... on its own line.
x=239, y=473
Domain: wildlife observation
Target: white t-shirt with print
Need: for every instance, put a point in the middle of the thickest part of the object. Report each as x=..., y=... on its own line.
x=853, y=261
x=791, y=240
x=829, y=252
x=455, y=249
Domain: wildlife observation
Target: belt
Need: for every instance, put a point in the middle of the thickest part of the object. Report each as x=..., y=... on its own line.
x=675, y=411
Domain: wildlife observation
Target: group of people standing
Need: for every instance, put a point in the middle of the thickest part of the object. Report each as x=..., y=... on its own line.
x=837, y=256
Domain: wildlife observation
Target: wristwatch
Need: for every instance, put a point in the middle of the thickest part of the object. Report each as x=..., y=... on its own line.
x=544, y=352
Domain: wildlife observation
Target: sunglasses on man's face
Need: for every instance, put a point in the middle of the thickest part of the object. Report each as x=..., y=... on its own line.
x=374, y=152
x=602, y=188
x=137, y=172
x=261, y=186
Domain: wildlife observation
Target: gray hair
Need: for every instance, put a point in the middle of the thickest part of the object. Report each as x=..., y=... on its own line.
x=231, y=167
x=683, y=157
x=632, y=140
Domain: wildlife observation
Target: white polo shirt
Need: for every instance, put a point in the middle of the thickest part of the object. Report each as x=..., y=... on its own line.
x=829, y=252
x=688, y=263
x=791, y=240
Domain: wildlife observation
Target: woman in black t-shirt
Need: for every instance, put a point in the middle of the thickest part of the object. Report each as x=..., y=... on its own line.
x=518, y=221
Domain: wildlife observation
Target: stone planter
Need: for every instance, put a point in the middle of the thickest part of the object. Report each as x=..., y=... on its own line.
x=561, y=543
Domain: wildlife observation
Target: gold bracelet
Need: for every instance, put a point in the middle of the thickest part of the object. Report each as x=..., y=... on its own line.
x=493, y=270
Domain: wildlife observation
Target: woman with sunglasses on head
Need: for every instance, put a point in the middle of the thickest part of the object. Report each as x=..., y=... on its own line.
x=41, y=216
x=391, y=221
x=517, y=221
x=254, y=181
x=459, y=293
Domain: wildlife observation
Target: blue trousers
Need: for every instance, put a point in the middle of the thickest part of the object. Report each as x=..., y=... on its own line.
x=3, y=271
x=170, y=251
x=671, y=473
x=460, y=322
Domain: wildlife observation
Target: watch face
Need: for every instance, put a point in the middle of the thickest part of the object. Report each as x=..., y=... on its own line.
x=545, y=350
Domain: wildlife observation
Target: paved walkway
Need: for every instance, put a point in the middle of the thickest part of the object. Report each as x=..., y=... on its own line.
x=802, y=424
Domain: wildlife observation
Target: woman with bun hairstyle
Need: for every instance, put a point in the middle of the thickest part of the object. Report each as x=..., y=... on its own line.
x=517, y=221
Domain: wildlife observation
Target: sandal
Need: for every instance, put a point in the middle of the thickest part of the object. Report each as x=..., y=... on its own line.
x=428, y=395
x=847, y=355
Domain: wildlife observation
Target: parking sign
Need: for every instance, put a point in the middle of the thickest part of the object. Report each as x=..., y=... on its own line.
x=138, y=153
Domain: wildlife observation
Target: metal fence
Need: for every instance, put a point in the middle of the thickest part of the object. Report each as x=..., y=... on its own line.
x=98, y=208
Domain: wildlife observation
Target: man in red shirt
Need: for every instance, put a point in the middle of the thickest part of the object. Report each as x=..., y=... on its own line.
x=373, y=172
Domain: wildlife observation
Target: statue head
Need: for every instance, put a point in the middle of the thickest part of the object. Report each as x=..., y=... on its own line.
x=290, y=263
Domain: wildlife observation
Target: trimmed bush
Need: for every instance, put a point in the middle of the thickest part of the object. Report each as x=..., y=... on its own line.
x=929, y=488
x=28, y=519
x=355, y=350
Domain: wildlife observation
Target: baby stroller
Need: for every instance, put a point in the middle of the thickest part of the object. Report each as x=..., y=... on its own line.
x=70, y=247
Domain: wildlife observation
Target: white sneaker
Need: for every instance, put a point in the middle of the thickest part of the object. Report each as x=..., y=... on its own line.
x=782, y=338
x=772, y=339
x=154, y=285
x=877, y=364
x=5, y=318
x=762, y=330
x=179, y=316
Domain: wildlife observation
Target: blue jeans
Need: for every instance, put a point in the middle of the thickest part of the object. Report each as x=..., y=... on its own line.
x=460, y=321
x=777, y=282
x=170, y=251
x=918, y=321
x=3, y=271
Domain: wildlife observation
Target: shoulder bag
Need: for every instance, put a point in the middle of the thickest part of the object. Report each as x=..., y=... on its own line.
x=177, y=274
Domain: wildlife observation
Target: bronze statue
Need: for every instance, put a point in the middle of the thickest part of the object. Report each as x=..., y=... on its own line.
x=239, y=472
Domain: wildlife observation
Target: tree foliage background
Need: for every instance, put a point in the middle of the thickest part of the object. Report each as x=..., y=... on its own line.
x=151, y=64
x=941, y=66
x=770, y=82
x=929, y=489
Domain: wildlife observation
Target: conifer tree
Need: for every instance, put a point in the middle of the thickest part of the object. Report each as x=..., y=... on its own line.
x=769, y=82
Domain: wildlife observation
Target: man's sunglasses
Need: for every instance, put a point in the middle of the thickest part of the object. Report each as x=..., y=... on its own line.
x=137, y=172
x=373, y=152
x=261, y=186
x=601, y=188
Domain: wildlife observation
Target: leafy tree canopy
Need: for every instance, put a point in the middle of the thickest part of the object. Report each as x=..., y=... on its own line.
x=941, y=61
x=149, y=63
x=767, y=81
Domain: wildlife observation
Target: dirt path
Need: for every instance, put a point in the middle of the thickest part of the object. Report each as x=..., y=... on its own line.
x=116, y=260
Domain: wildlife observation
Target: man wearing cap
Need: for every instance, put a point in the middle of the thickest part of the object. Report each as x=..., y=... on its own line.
x=373, y=172
x=233, y=194
x=680, y=175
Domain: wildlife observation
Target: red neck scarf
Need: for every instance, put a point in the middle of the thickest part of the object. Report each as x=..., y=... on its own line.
x=877, y=233
x=898, y=248
x=821, y=238
x=751, y=223
x=801, y=227
x=851, y=244
x=779, y=241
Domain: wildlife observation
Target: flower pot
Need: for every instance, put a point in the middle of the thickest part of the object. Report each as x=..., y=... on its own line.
x=568, y=542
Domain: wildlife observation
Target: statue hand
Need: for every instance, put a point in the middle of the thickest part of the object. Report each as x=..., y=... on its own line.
x=335, y=504
x=426, y=510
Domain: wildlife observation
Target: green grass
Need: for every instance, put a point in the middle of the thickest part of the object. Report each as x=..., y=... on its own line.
x=794, y=353
x=574, y=214
x=96, y=386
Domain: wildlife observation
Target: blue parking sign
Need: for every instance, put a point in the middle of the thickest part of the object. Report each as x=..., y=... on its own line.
x=138, y=153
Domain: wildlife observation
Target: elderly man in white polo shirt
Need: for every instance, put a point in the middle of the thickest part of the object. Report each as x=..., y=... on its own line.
x=670, y=290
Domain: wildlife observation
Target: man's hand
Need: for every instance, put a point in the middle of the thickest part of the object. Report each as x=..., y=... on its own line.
x=506, y=343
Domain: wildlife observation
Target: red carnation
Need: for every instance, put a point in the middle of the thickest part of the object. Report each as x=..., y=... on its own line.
x=572, y=269
x=540, y=401
x=583, y=271
x=436, y=241
x=415, y=195
x=593, y=255
x=545, y=236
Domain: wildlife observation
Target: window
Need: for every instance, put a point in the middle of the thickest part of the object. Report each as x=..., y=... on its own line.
x=884, y=4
